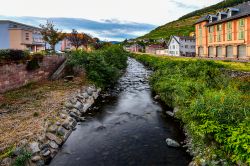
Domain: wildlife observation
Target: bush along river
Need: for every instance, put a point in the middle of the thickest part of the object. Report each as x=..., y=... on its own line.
x=125, y=126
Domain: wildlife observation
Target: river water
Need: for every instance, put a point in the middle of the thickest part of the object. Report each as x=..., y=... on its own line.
x=126, y=128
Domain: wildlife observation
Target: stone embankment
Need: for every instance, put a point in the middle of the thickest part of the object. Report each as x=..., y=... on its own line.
x=58, y=129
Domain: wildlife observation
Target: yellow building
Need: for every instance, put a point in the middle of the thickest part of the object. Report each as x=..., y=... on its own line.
x=19, y=36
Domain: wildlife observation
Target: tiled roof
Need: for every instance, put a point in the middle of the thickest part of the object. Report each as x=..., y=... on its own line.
x=186, y=37
x=204, y=18
x=25, y=25
x=243, y=10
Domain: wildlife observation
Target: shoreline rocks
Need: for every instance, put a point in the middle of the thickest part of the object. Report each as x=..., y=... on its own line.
x=57, y=133
x=172, y=143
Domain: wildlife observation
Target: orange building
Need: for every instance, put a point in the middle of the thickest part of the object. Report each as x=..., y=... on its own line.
x=225, y=35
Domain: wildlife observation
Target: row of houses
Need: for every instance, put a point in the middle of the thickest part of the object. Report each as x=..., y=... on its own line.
x=14, y=35
x=225, y=35
x=176, y=46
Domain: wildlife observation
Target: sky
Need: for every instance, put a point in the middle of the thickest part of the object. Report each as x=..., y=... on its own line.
x=147, y=12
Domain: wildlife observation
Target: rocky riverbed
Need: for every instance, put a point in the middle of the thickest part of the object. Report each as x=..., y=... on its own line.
x=127, y=126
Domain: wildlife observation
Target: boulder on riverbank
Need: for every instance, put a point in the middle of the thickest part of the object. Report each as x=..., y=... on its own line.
x=172, y=143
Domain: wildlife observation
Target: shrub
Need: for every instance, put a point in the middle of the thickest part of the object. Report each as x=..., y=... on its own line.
x=22, y=158
x=213, y=107
x=13, y=55
x=103, y=67
x=33, y=64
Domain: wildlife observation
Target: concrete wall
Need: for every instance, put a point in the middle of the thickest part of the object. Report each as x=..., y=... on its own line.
x=4, y=36
x=15, y=75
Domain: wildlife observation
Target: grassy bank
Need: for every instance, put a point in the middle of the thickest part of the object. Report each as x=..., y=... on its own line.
x=214, y=108
x=24, y=112
x=103, y=67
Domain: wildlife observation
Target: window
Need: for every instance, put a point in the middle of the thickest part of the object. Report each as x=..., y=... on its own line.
x=173, y=46
x=186, y=46
x=27, y=36
x=218, y=36
x=211, y=30
x=241, y=34
x=192, y=47
x=176, y=52
x=242, y=22
x=219, y=29
x=229, y=31
x=200, y=35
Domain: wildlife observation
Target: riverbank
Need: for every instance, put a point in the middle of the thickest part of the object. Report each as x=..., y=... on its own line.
x=38, y=118
x=126, y=127
x=212, y=102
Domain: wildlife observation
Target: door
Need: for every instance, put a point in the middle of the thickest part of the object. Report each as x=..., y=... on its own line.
x=210, y=52
x=229, y=51
x=200, y=51
x=219, y=51
x=241, y=51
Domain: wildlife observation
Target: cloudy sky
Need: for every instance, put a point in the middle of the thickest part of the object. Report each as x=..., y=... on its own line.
x=151, y=13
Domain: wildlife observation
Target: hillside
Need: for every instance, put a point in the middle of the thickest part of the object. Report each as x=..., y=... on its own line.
x=184, y=25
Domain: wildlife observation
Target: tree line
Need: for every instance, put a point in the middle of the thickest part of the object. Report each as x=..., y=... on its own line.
x=52, y=36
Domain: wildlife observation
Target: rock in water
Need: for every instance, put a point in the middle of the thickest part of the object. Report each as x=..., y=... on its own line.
x=170, y=113
x=157, y=97
x=172, y=143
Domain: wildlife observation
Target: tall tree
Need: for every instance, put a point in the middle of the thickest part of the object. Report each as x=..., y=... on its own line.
x=75, y=38
x=51, y=35
x=86, y=40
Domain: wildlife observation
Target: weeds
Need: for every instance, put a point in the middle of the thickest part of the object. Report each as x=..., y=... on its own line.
x=214, y=108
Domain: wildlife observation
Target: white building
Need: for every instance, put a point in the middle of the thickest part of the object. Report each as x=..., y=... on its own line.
x=181, y=46
x=162, y=52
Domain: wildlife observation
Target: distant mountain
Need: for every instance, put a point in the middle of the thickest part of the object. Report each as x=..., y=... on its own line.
x=105, y=29
x=185, y=25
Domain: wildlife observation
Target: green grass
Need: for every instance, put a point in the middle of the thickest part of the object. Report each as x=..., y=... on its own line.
x=240, y=66
x=214, y=108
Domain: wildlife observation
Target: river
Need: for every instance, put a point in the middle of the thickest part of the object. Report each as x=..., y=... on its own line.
x=126, y=127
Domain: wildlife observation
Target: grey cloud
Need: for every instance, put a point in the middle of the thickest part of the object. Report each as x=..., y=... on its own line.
x=184, y=5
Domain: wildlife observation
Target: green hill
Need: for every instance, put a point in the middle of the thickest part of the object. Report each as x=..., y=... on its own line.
x=185, y=25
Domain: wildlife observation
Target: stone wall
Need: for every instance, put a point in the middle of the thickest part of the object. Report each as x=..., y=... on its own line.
x=15, y=75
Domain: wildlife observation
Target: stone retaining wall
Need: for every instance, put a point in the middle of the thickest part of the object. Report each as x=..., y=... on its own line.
x=15, y=75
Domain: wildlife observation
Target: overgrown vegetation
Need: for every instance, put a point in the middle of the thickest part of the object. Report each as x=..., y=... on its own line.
x=214, y=107
x=22, y=158
x=103, y=67
x=21, y=56
x=10, y=55
x=184, y=25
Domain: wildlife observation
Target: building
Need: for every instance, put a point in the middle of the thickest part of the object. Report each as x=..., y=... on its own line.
x=162, y=52
x=134, y=48
x=181, y=46
x=19, y=36
x=225, y=35
x=154, y=48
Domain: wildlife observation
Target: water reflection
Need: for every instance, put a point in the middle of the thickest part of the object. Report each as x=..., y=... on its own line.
x=128, y=128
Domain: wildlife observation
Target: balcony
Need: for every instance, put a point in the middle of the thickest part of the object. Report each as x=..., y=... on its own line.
x=38, y=41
